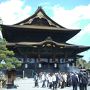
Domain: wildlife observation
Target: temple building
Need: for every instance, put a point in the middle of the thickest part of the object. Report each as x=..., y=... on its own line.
x=40, y=43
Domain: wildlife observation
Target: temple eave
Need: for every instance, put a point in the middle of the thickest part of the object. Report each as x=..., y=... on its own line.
x=40, y=27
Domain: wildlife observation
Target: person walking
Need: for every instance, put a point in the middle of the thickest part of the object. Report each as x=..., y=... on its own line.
x=43, y=80
x=36, y=80
x=74, y=81
x=69, y=80
x=54, y=81
x=84, y=81
x=50, y=80
x=62, y=81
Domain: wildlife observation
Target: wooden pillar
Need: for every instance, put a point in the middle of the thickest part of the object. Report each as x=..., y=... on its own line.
x=66, y=57
x=66, y=61
x=53, y=61
x=48, y=63
x=35, y=65
x=59, y=63
x=38, y=62
x=53, y=57
x=75, y=61
x=38, y=53
x=39, y=57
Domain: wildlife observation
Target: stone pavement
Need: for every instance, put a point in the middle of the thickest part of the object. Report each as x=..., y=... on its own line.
x=28, y=84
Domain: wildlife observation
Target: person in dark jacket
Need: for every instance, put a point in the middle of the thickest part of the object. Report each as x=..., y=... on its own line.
x=36, y=80
x=68, y=80
x=84, y=81
x=80, y=81
x=74, y=81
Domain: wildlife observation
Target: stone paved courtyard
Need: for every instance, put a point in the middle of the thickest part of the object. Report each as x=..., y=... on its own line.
x=28, y=84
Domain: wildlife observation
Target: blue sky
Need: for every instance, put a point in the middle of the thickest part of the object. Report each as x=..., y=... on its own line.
x=68, y=13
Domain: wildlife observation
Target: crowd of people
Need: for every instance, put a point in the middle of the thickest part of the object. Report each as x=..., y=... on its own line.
x=61, y=80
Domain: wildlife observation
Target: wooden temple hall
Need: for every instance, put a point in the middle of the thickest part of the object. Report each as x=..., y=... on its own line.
x=40, y=43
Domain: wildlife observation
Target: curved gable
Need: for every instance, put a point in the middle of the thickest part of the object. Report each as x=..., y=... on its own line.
x=40, y=18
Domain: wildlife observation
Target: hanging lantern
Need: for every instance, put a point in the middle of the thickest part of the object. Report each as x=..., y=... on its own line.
x=67, y=64
x=26, y=65
x=40, y=65
x=55, y=65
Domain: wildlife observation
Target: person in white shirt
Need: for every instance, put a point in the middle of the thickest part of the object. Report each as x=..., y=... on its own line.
x=65, y=78
x=50, y=80
x=54, y=81
x=43, y=80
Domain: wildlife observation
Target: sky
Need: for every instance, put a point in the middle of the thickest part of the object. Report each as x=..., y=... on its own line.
x=73, y=14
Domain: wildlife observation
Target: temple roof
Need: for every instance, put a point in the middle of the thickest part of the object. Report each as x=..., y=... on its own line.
x=40, y=18
x=39, y=23
x=48, y=42
x=32, y=32
x=22, y=33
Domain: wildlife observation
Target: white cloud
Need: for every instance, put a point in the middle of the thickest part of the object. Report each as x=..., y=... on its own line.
x=79, y=37
x=85, y=31
x=71, y=18
x=13, y=11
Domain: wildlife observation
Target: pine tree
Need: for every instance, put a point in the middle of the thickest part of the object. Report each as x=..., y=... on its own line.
x=7, y=59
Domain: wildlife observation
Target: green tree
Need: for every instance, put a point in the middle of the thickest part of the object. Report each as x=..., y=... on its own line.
x=83, y=63
x=7, y=59
x=88, y=65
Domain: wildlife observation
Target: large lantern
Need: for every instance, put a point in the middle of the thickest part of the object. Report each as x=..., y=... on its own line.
x=40, y=65
x=55, y=65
